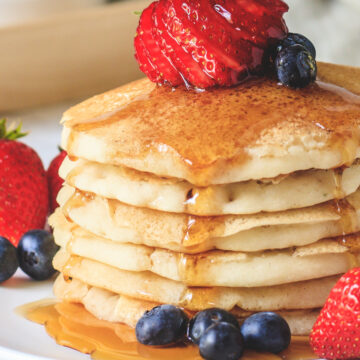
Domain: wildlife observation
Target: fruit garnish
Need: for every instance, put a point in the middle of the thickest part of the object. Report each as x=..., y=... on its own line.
x=206, y=43
x=35, y=252
x=8, y=259
x=297, y=39
x=215, y=331
x=206, y=318
x=54, y=180
x=163, y=325
x=295, y=66
x=221, y=341
x=23, y=186
x=266, y=331
x=336, y=333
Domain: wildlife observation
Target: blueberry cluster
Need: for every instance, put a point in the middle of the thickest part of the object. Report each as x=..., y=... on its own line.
x=34, y=255
x=295, y=61
x=216, y=331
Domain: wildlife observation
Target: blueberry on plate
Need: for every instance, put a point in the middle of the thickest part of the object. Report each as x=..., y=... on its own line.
x=221, y=341
x=35, y=251
x=8, y=259
x=297, y=39
x=204, y=319
x=295, y=66
x=163, y=325
x=266, y=331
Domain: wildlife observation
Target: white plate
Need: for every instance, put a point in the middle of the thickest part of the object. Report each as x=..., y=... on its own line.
x=21, y=339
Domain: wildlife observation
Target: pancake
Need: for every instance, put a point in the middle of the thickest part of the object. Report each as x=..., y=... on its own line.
x=256, y=130
x=113, y=307
x=297, y=190
x=192, y=234
x=151, y=287
x=216, y=268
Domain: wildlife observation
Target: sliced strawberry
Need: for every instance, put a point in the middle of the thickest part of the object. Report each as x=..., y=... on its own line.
x=217, y=39
x=278, y=7
x=251, y=20
x=186, y=37
x=208, y=42
x=164, y=67
x=146, y=66
x=141, y=53
x=167, y=30
x=226, y=19
x=231, y=42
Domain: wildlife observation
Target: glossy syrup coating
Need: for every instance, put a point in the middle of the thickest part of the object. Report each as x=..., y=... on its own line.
x=71, y=325
x=209, y=136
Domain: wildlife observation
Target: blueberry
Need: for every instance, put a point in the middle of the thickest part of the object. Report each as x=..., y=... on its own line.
x=8, y=259
x=163, y=325
x=297, y=39
x=295, y=66
x=266, y=331
x=36, y=250
x=204, y=319
x=221, y=341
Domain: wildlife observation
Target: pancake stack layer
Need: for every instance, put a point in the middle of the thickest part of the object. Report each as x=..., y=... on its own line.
x=244, y=198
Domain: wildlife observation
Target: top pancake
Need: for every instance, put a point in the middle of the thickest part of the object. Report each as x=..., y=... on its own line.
x=256, y=130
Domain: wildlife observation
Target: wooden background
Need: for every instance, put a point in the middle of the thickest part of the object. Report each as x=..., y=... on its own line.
x=75, y=53
x=68, y=56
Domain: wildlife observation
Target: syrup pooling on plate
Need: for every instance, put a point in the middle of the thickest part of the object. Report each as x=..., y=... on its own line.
x=73, y=326
x=219, y=126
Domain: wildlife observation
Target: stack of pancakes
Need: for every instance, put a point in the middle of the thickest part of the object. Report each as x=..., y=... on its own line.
x=242, y=198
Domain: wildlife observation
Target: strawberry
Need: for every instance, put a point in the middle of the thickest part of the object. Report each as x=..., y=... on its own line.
x=208, y=43
x=54, y=180
x=153, y=62
x=336, y=333
x=23, y=186
x=172, y=46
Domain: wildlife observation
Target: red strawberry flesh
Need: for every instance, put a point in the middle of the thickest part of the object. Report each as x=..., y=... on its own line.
x=23, y=190
x=336, y=333
x=170, y=32
x=208, y=42
x=159, y=65
x=54, y=181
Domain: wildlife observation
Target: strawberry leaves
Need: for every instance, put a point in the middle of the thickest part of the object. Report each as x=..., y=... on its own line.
x=12, y=133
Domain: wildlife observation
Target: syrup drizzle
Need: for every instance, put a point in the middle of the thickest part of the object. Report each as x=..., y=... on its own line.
x=209, y=133
x=348, y=219
x=73, y=326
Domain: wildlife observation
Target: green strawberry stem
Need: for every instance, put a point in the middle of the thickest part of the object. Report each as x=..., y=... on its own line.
x=12, y=134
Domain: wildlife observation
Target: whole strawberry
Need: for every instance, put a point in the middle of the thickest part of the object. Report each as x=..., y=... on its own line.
x=336, y=333
x=54, y=180
x=23, y=186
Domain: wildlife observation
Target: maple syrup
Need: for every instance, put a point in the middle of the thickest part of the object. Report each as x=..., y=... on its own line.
x=201, y=201
x=199, y=230
x=78, y=199
x=348, y=220
x=73, y=326
x=209, y=133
